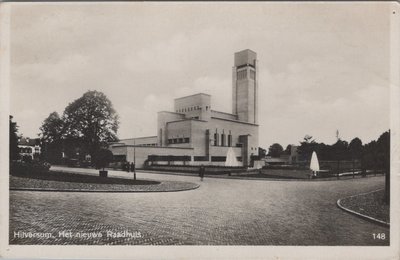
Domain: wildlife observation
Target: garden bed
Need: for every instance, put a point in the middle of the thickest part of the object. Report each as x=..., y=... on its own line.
x=62, y=181
x=370, y=204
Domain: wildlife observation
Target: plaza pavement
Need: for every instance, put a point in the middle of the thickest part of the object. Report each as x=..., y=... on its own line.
x=220, y=212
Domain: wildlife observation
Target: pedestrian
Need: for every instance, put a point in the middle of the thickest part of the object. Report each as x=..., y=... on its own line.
x=127, y=166
x=201, y=172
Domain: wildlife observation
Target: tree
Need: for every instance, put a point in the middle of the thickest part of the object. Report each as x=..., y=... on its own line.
x=52, y=128
x=355, y=148
x=51, y=134
x=340, y=152
x=288, y=150
x=102, y=159
x=92, y=120
x=383, y=147
x=307, y=146
x=275, y=150
x=14, y=152
x=262, y=152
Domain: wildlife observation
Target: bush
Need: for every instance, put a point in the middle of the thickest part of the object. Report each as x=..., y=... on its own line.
x=28, y=168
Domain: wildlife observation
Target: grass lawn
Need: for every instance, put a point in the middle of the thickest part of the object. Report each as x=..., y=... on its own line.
x=80, y=178
x=371, y=204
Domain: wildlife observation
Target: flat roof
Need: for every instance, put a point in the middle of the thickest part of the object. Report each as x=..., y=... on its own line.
x=235, y=121
x=142, y=137
x=193, y=95
x=153, y=147
x=186, y=119
x=223, y=113
x=246, y=50
x=164, y=111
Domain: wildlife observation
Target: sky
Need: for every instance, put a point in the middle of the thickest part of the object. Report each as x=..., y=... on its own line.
x=322, y=66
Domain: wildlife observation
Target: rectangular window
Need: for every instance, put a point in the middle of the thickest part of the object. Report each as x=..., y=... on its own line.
x=187, y=140
x=218, y=158
x=229, y=140
x=242, y=74
x=216, y=139
x=200, y=158
x=252, y=74
x=222, y=139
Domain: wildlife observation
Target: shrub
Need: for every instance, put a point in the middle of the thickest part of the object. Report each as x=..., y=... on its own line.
x=29, y=168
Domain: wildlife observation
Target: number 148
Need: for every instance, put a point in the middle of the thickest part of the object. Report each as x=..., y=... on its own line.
x=380, y=236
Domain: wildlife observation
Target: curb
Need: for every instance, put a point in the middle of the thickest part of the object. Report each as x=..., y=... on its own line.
x=365, y=217
x=243, y=177
x=233, y=177
x=101, y=191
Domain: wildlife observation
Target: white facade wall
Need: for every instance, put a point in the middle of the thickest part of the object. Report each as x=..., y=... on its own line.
x=194, y=106
x=148, y=140
x=141, y=153
x=193, y=117
x=163, y=118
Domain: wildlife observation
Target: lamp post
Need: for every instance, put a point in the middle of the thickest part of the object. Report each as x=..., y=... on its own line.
x=134, y=159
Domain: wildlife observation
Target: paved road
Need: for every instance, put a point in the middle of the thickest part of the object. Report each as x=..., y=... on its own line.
x=220, y=212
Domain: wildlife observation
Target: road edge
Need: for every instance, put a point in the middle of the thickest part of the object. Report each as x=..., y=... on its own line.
x=371, y=219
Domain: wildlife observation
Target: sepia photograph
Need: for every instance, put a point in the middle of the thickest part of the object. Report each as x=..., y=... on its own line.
x=208, y=124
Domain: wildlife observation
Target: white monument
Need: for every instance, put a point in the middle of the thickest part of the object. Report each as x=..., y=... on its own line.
x=314, y=165
x=231, y=159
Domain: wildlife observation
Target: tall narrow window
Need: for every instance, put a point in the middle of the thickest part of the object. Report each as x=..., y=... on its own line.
x=222, y=139
x=229, y=140
x=216, y=139
x=252, y=74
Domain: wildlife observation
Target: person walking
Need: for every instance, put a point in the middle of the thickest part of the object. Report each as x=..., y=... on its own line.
x=201, y=172
x=127, y=164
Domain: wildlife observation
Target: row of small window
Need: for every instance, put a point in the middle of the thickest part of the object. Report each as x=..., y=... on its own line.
x=147, y=145
x=183, y=140
x=28, y=150
x=243, y=74
x=193, y=108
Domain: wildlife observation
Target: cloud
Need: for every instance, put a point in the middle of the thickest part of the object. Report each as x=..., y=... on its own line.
x=141, y=120
x=220, y=90
x=161, y=56
x=321, y=69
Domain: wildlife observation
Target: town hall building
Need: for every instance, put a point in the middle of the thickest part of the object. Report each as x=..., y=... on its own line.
x=195, y=134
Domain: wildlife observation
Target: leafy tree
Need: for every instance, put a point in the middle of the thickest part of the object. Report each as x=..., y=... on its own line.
x=355, y=148
x=14, y=152
x=262, y=152
x=368, y=155
x=307, y=146
x=92, y=120
x=383, y=147
x=52, y=128
x=102, y=158
x=288, y=149
x=51, y=136
x=340, y=152
x=275, y=150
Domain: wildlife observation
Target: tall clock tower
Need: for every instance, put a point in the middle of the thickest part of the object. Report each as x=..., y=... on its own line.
x=245, y=86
